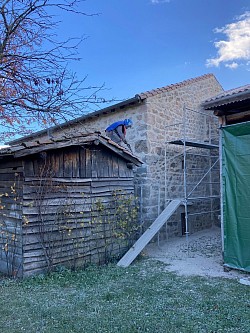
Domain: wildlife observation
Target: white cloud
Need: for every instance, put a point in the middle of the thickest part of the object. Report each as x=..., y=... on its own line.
x=232, y=65
x=155, y=2
x=235, y=50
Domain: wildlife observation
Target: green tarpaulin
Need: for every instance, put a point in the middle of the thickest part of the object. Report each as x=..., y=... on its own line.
x=236, y=195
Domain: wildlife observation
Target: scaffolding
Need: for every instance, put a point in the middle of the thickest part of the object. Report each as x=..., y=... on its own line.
x=197, y=139
x=196, y=136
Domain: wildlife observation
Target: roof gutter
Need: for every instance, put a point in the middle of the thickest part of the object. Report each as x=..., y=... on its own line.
x=129, y=102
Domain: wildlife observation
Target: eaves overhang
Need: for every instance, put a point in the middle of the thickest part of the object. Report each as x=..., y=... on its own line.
x=28, y=148
x=228, y=100
x=110, y=109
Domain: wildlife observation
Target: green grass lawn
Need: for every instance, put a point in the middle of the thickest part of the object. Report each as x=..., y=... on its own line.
x=141, y=298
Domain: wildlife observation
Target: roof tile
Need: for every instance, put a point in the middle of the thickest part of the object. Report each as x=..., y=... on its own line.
x=26, y=148
x=156, y=91
x=231, y=92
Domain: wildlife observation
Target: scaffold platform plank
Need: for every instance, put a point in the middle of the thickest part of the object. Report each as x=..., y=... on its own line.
x=194, y=144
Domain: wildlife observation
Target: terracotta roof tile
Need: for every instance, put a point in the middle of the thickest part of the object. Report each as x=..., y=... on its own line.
x=156, y=91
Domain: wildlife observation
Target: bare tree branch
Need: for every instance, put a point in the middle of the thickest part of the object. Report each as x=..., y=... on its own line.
x=35, y=82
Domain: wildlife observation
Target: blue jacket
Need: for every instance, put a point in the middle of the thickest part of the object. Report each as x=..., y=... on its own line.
x=113, y=126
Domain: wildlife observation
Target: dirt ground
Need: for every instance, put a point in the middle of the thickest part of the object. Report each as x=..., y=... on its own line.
x=200, y=254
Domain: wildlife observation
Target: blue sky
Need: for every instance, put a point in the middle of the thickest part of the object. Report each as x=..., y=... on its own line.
x=133, y=46
x=136, y=45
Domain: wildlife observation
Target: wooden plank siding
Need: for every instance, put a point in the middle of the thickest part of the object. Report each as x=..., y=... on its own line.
x=53, y=205
x=78, y=162
x=11, y=181
x=72, y=222
x=60, y=192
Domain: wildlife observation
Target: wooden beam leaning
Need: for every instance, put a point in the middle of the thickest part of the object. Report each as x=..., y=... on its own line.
x=140, y=244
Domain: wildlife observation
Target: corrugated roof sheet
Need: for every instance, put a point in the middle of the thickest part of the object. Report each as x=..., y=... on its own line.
x=243, y=90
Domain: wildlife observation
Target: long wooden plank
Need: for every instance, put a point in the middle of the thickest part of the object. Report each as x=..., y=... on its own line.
x=139, y=245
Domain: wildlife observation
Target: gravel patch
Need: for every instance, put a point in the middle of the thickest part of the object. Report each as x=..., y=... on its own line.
x=198, y=254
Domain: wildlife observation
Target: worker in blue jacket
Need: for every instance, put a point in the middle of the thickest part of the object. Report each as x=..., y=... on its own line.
x=117, y=131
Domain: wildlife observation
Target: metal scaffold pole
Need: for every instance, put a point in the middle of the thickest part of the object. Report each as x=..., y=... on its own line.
x=185, y=173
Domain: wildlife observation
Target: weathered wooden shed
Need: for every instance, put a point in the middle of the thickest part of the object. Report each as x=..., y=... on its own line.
x=65, y=201
x=233, y=109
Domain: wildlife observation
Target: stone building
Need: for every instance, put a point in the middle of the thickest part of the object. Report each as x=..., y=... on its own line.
x=169, y=129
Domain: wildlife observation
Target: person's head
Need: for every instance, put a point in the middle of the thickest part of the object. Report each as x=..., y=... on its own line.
x=128, y=123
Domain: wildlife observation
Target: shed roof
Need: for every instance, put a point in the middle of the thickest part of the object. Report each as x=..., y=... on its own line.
x=229, y=99
x=136, y=100
x=25, y=148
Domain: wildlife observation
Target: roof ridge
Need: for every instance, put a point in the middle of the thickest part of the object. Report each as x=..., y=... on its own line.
x=156, y=91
